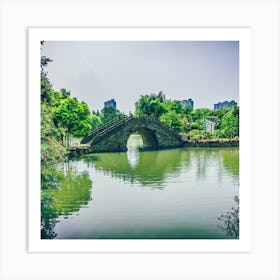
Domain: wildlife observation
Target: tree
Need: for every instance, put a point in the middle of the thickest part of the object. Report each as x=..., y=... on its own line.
x=74, y=116
x=55, y=98
x=95, y=121
x=151, y=105
x=172, y=120
x=109, y=113
x=220, y=113
x=52, y=150
x=65, y=93
x=46, y=86
x=230, y=123
x=175, y=105
x=199, y=114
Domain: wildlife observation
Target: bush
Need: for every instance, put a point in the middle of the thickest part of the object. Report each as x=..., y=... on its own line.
x=196, y=135
x=52, y=150
x=229, y=222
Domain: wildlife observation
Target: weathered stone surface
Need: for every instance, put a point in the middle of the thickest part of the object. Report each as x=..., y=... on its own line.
x=113, y=136
x=79, y=150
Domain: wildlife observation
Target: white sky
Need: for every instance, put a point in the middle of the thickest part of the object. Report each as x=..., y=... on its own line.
x=94, y=72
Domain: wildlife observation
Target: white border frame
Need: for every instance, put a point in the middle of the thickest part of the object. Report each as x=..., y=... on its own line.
x=243, y=35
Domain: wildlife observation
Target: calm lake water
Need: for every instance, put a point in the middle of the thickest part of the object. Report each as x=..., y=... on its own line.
x=175, y=193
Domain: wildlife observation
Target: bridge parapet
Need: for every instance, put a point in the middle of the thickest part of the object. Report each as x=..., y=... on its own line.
x=108, y=130
x=113, y=136
x=102, y=128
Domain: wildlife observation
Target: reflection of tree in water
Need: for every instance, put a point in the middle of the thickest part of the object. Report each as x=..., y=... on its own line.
x=224, y=158
x=72, y=193
x=48, y=216
x=231, y=160
x=151, y=168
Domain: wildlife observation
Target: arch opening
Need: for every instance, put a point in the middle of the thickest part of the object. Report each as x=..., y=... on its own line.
x=149, y=138
x=142, y=138
x=134, y=141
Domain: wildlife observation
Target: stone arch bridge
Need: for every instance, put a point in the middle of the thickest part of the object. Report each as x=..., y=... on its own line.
x=113, y=135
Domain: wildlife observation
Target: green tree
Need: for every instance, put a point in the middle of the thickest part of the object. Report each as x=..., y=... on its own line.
x=151, y=105
x=219, y=113
x=172, y=120
x=175, y=105
x=95, y=121
x=55, y=98
x=109, y=113
x=230, y=123
x=46, y=86
x=65, y=93
x=74, y=116
x=52, y=150
x=198, y=115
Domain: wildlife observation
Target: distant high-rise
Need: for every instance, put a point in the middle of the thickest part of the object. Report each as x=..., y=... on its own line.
x=225, y=105
x=110, y=104
x=188, y=102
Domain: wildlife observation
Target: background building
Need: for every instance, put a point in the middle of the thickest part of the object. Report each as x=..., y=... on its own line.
x=110, y=104
x=211, y=123
x=188, y=102
x=225, y=105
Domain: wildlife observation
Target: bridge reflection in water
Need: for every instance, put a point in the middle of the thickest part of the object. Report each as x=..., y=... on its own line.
x=152, y=168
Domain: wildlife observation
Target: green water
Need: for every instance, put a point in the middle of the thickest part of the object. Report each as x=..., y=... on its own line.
x=175, y=193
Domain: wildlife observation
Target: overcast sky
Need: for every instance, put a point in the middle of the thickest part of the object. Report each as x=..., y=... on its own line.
x=94, y=72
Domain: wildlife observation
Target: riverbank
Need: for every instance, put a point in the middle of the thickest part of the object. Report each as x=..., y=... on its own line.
x=214, y=143
x=78, y=150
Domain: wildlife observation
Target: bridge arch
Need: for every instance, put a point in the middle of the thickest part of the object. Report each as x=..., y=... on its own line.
x=113, y=136
x=148, y=136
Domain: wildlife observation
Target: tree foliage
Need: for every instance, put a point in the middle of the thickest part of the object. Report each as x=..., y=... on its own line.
x=46, y=86
x=230, y=123
x=229, y=222
x=187, y=121
x=65, y=93
x=95, y=121
x=172, y=120
x=150, y=105
x=52, y=150
x=74, y=116
x=109, y=113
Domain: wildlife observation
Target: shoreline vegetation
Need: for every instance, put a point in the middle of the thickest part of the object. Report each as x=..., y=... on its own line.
x=215, y=143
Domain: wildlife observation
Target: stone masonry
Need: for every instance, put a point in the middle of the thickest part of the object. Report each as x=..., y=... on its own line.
x=113, y=136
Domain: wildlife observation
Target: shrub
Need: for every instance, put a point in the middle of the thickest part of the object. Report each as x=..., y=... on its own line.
x=229, y=222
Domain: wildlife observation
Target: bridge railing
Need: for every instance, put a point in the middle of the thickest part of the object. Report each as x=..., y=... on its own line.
x=107, y=124
x=103, y=134
x=101, y=128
